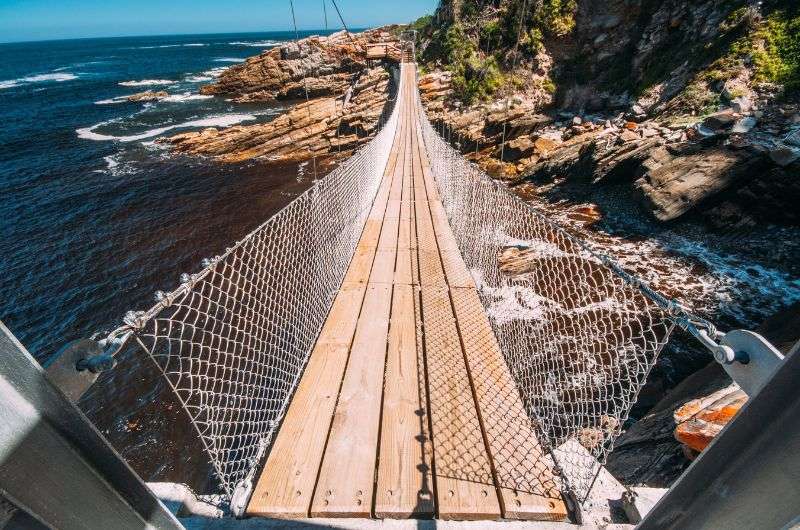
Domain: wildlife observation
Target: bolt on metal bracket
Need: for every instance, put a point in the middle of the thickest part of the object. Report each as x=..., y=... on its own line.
x=755, y=360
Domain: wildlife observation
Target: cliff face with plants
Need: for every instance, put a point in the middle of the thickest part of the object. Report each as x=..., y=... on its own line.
x=693, y=104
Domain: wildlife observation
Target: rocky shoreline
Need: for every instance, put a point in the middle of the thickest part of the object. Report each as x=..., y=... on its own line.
x=715, y=165
x=335, y=100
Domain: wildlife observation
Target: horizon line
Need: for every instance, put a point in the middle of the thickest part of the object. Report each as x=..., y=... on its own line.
x=299, y=30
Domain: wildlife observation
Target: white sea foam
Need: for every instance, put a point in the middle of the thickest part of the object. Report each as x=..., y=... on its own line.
x=186, y=96
x=189, y=45
x=198, y=78
x=256, y=44
x=216, y=72
x=112, y=101
x=57, y=77
x=229, y=60
x=111, y=162
x=147, y=82
x=224, y=120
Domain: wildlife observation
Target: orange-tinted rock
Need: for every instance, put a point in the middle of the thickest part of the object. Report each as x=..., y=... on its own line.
x=320, y=127
x=700, y=420
x=544, y=145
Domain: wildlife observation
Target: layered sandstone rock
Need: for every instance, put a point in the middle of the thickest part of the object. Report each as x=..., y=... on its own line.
x=322, y=65
x=318, y=128
x=341, y=95
x=726, y=168
x=700, y=420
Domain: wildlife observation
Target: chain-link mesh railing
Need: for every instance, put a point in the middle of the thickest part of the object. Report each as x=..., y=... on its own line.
x=233, y=339
x=578, y=334
x=579, y=337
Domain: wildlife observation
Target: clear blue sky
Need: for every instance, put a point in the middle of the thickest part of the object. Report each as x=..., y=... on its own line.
x=22, y=20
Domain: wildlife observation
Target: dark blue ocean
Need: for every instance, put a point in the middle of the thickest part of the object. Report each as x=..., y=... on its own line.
x=95, y=216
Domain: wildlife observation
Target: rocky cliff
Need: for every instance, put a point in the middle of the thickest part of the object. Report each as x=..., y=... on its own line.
x=671, y=124
x=692, y=105
x=335, y=98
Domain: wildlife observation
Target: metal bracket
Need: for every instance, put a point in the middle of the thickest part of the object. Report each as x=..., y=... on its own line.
x=756, y=360
x=62, y=370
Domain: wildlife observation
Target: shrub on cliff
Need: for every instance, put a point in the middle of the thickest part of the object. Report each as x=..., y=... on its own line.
x=776, y=50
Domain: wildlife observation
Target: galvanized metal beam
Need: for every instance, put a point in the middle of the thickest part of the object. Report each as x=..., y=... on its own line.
x=55, y=465
x=748, y=477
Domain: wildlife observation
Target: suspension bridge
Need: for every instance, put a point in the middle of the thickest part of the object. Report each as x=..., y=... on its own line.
x=406, y=339
x=409, y=339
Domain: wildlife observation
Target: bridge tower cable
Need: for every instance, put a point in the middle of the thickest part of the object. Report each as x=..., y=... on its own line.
x=305, y=83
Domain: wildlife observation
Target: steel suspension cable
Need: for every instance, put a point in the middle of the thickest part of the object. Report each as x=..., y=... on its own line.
x=305, y=84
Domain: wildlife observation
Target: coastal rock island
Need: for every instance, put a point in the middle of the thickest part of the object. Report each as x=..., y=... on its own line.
x=335, y=99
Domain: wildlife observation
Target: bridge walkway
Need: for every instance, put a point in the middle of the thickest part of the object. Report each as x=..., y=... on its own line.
x=406, y=408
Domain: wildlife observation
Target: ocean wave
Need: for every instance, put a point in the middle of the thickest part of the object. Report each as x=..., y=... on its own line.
x=147, y=82
x=198, y=78
x=225, y=120
x=216, y=72
x=112, y=101
x=186, y=96
x=189, y=45
x=58, y=77
x=229, y=60
x=257, y=43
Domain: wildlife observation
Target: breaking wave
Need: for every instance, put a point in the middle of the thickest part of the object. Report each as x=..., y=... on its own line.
x=198, y=78
x=180, y=98
x=147, y=82
x=257, y=43
x=225, y=120
x=57, y=77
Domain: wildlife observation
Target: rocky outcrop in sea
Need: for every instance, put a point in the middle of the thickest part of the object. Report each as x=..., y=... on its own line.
x=335, y=100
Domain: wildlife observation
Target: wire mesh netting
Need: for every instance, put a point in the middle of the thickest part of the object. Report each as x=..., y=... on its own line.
x=578, y=338
x=233, y=339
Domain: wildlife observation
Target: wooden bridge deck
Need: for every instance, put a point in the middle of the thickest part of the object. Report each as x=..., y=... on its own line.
x=406, y=407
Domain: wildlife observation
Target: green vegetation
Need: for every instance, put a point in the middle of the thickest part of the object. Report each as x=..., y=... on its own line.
x=770, y=44
x=474, y=77
x=557, y=17
x=421, y=24
x=532, y=41
x=776, y=50
x=475, y=48
x=699, y=98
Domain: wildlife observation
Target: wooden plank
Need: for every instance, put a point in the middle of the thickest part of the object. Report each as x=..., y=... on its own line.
x=456, y=273
x=403, y=274
x=360, y=265
x=286, y=486
x=523, y=470
x=464, y=483
x=383, y=266
x=346, y=477
x=391, y=224
x=404, y=483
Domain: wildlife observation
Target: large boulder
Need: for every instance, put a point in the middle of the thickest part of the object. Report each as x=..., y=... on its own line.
x=680, y=181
